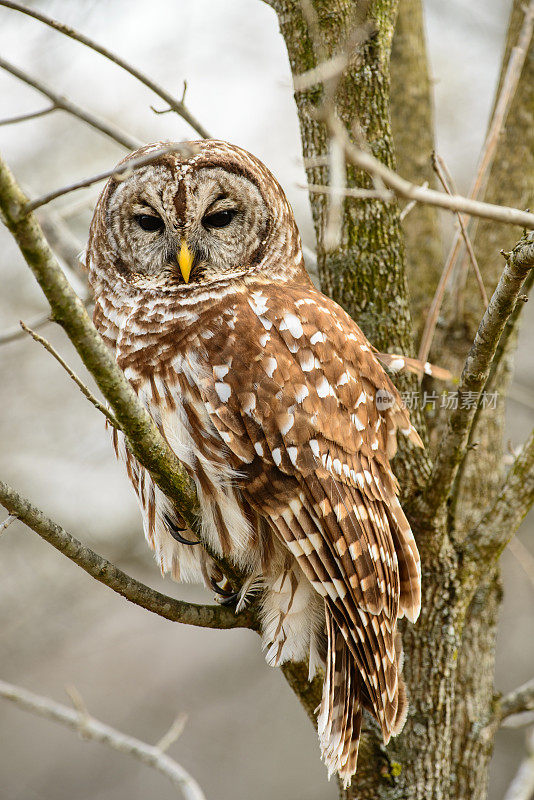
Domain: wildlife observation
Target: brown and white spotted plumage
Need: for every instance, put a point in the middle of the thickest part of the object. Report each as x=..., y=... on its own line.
x=278, y=407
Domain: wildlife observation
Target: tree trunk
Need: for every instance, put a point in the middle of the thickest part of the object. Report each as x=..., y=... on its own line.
x=445, y=747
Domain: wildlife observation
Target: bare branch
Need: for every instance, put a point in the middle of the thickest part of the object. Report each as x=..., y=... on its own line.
x=63, y=242
x=174, y=733
x=504, y=101
x=142, y=435
x=63, y=103
x=83, y=388
x=403, y=188
x=338, y=183
x=518, y=701
x=485, y=543
x=30, y=115
x=175, y=104
x=15, y=334
x=523, y=556
x=91, y=728
x=203, y=616
x=446, y=180
x=476, y=370
x=117, y=172
x=522, y=785
x=357, y=194
x=410, y=206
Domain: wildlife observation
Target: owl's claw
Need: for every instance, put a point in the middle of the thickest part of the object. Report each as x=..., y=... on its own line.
x=228, y=598
x=175, y=532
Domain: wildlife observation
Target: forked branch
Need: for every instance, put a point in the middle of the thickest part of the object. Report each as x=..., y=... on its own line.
x=203, y=616
x=61, y=102
x=485, y=543
x=90, y=728
x=142, y=435
x=173, y=102
x=476, y=371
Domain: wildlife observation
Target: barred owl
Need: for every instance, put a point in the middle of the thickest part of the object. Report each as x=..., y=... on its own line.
x=268, y=393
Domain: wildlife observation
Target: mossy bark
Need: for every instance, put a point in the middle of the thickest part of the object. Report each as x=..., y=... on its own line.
x=412, y=122
x=444, y=749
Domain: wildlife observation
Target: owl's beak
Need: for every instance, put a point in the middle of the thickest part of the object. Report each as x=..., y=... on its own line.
x=185, y=260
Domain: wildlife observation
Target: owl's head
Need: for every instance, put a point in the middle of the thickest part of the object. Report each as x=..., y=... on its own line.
x=207, y=212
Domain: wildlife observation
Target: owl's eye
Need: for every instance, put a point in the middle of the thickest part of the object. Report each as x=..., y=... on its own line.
x=149, y=223
x=220, y=219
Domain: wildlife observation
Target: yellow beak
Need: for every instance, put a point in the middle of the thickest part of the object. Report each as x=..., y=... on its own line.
x=185, y=261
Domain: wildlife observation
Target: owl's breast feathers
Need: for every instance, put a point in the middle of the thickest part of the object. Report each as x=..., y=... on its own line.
x=281, y=383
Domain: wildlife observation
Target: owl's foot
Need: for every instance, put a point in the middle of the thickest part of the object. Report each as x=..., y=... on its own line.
x=226, y=592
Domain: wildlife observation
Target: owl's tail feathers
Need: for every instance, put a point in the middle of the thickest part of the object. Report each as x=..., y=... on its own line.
x=344, y=696
x=340, y=713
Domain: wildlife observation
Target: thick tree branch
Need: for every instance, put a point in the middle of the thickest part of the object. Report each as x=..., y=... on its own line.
x=483, y=546
x=476, y=370
x=412, y=120
x=118, y=171
x=90, y=728
x=522, y=785
x=203, y=616
x=518, y=701
x=509, y=86
x=403, y=188
x=63, y=103
x=28, y=116
x=142, y=435
x=81, y=386
x=173, y=102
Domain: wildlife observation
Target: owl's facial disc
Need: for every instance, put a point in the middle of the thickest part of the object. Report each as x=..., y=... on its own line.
x=190, y=227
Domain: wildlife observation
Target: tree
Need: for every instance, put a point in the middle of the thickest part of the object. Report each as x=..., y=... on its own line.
x=340, y=61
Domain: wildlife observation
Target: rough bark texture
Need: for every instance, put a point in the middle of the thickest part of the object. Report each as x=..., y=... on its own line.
x=446, y=745
x=510, y=183
x=412, y=123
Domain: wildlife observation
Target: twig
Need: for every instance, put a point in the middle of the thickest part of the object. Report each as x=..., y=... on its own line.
x=476, y=370
x=518, y=701
x=174, y=733
x=522, y=785
x=63, y=103
x=81, y=386
x=120, y=171
x=485, y=543
x=175, y=104
x=508, y=89
x=358, y=194
x=30, y=115
x=523, y=557
x=445, y=178
x=203, y=616
x=410, y=206
x=338, y=184
x=63, y=242
x=91, y=728
x=502, y=349
x=7, y=522
x=411, y=191
x=68, y=248
x=15, y=334
x=143, y=437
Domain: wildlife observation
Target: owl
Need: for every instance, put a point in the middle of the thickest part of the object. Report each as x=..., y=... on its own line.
x=274, y=401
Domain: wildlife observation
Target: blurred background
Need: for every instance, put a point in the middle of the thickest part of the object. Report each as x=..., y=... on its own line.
x=246, y=736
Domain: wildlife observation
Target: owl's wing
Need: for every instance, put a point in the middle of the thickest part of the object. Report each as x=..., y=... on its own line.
x=311, y=418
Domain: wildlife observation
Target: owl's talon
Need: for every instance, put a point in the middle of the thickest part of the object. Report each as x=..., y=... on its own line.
x=228, y=598
x=179, y=538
